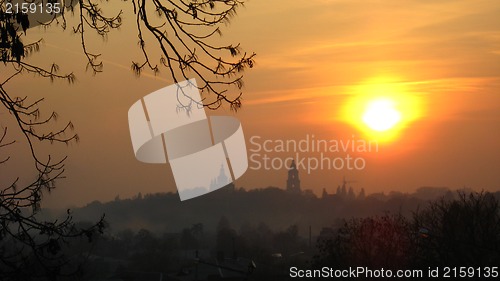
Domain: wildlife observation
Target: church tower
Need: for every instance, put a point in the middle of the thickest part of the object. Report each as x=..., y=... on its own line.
x=293, y=181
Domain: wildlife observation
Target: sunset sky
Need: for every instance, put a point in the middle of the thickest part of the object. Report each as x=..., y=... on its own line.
x=319, y=62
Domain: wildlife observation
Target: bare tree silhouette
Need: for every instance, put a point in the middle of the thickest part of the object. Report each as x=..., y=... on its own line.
x=448, y=232
x=185, y=32
x=378, y=241
x=182, y=30
x=465, y=231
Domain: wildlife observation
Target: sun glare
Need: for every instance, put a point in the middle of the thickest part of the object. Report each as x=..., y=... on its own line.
x=381, y=109
x=380, y=115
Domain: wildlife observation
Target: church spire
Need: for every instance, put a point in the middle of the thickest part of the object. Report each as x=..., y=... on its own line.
x=293, y=181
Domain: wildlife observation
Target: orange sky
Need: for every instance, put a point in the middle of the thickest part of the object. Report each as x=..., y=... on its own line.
x=313, y=57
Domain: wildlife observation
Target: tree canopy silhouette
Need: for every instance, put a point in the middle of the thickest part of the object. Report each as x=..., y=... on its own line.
x=465, y=231
x=185, y=33
x=448, y=232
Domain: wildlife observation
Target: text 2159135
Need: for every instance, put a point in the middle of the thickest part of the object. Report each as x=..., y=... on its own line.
x=32, y=8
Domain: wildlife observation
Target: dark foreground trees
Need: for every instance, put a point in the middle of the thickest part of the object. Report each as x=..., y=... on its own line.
x=184, y=32
x=449, y=232
x=464, y=231
x=374, y=242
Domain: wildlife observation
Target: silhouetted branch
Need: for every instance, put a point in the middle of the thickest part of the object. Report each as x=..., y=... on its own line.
x=183, y=31
x=29, y=247
x=187, y=52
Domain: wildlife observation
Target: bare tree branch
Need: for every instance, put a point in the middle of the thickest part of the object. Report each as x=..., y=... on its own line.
x=185, y=32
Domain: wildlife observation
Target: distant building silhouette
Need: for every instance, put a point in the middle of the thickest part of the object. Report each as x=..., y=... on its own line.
x=324, y=194
x=221, y=180
x=293, y=181
x=350, y=194
x=343, y=192
x=362, y=195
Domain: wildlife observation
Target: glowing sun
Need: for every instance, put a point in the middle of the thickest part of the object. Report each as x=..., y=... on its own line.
x=380, y=115
x=382, y=109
